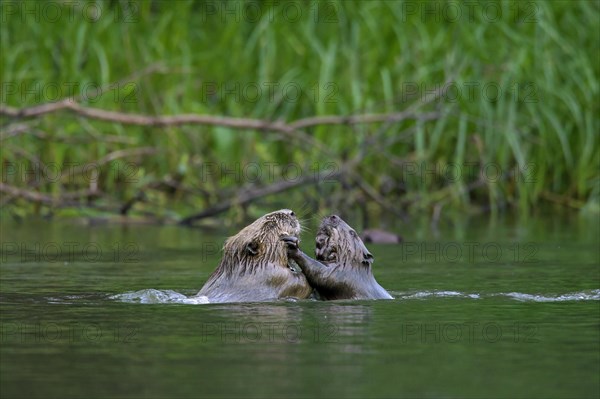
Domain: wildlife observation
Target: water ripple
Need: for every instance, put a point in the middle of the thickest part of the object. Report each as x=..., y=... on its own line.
x=589, y=295
x=592, y=295
x=153, y=296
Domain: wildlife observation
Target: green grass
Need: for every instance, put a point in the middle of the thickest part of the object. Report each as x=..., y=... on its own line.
x=541, y=131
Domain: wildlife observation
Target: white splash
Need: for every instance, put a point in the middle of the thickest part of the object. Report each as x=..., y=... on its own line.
x=434, y=294
x=158, y=296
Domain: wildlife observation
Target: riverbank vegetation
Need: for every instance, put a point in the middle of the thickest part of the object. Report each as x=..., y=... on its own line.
x=178, y=111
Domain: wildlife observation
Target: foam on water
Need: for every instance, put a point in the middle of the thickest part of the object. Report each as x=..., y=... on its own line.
x=153, y=296
x=158, y=296
x=430, y=294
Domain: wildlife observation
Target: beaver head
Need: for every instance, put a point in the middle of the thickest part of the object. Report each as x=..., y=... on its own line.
x=259, y=244
x=338, y=243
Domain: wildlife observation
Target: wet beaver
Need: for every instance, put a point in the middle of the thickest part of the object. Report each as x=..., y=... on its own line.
x=343, y=266
x=255, y=264
x=379, y=236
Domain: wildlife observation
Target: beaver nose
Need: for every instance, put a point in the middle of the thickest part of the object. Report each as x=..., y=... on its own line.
x=334, y=218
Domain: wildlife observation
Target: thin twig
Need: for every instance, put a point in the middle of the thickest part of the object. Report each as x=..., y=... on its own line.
x=252, y=194
x=112, y=156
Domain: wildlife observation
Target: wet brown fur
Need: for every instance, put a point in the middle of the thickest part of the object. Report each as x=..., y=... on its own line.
x=343, y=265
x=254, y=266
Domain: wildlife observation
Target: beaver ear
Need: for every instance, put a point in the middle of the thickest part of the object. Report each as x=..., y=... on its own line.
x=252, y=248
x=367, y=258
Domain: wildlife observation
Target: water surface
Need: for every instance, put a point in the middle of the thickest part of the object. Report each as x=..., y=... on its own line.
x=483, y=309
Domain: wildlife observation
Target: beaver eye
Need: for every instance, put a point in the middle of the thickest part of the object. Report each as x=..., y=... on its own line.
x=292, y=213
x=353, y=233
x=252, y=248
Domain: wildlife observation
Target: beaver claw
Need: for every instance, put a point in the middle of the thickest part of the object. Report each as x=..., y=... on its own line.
x=291, y=241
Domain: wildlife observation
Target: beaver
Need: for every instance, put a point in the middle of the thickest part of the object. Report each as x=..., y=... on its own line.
x=379, y=236
x=342, y=269
x=255, y=266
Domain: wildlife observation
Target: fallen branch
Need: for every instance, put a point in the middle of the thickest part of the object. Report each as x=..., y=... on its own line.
x=186, y=119
x=139, y=119
x=252, y=194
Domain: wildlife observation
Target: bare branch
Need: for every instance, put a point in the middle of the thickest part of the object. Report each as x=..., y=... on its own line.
x=36, y=196
x=142, y=120
x=361, y=119
x=185, y=119
x=292, y=129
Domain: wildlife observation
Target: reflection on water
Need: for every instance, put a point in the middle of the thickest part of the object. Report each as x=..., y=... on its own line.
x=73, y=326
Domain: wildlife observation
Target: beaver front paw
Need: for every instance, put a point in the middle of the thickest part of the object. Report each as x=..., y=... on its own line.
x=292, y=244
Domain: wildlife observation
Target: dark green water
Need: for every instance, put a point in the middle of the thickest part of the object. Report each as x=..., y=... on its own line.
x=482, y=309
